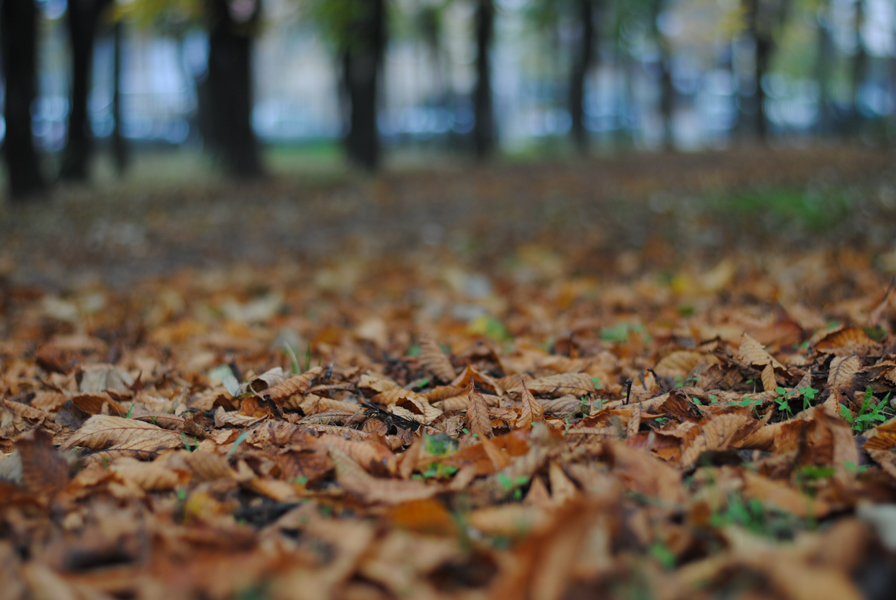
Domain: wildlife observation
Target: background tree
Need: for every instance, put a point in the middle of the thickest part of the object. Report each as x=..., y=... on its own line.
x=577, y=20
x=357, y=30
x=231, y=27
x=82, y=18
x=655, y=12
x=484, y=132
x=582, y=60
x=858, y=70
x=224, y=91
x=763, y=21
x=18, y=42
x=824, y=62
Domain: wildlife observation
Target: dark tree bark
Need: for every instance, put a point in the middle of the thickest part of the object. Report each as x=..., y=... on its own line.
x=361, y=64
x=667, y=90
x=484, y=127
x=753, y=106
x=763, y=58
x=583, y=58
x=82, y=20
x=230, y=90
x=859, y=70
x=18, y=36
x=763, y=19
x=823, y=68
x=119, y=146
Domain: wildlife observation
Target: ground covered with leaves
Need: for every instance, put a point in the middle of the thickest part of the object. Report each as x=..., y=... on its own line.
x=660, y=377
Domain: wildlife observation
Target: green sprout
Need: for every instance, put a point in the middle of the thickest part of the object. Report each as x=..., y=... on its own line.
x=869, y=414
x=808, y=394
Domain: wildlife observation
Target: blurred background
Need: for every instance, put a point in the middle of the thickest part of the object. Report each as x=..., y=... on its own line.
x=244, y=80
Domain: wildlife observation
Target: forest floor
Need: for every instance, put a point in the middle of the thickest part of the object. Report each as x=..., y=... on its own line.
x=657, y=376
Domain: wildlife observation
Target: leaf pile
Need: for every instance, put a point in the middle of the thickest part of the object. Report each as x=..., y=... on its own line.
x=416, y=429
x=561, y=393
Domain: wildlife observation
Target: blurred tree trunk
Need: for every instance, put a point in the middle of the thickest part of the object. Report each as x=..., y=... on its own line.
x=231, y=26
x=583, y=58
x=667, y=89
x=760, y=35
x=484, y=127
x=18, y=37
x=362, y=61
x=119, y=146
x=823, y=68
x=763, y=19
x=82, y=19
x=859, y=70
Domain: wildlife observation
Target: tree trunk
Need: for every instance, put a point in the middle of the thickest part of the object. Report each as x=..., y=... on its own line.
x=667, y=89
x=859, y=70
x=581, y=64
x=119, y=146
x=760, y=23
x=230, y=89
x=763, y=58
x=361, y=65
x=18, y=36
x=484, y=127
x=82, y=20
x=823, y=69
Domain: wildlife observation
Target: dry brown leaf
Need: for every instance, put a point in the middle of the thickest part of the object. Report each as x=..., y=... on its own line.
x=376, y=383
x=443, y=392
x=562, y=489
x=454, y=403
x=477, y=418
x=882, y=437
x=473, y=375
x=419, y=409
x=234, y=419
x=150, y=477
x=510, y=520
x=554, y=386
x=107, y=432
x=434, y=360
x=372, y=456
x=680, y=363
x=781, y=497
x=387, y=491
x=846, y=340
x=532, y=412
x=44, y=470
x=209, y=466
x=99, y=378
x=645, y=474
x=297, y=384
x=769, y=383
x=754, y=354
x=393, y=395
x=843, y=372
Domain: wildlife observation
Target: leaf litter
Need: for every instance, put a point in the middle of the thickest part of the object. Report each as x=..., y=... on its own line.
x=423, y=427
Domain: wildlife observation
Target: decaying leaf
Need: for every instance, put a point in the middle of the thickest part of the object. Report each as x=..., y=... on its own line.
x=434, y=360
x=104, y=432
x=617, y=417
x=44, y=470
x=478, y=421
x=298, y=384
x=532, y=412
x=387, y=491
